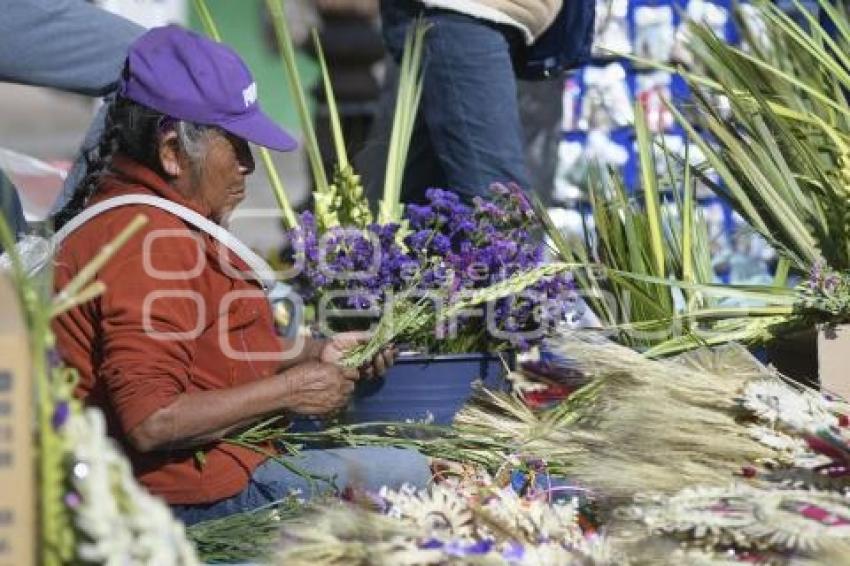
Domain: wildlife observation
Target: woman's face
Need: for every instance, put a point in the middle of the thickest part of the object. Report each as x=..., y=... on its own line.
x=216, y=181
x=220, y=182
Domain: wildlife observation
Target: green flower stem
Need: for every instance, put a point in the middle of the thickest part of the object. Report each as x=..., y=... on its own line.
x=336, y=127
x=279, y=191
x=53, y=528
x=306, y=474
x=407, y=104
x=94, y=290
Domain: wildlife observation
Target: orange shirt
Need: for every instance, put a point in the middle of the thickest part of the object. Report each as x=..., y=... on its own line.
x=174, y=319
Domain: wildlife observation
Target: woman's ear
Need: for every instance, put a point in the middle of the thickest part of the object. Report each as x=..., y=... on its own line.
x=170, y=157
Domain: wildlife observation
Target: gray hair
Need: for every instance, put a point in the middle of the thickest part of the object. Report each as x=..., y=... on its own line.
x=134, y=130
x=194, y=139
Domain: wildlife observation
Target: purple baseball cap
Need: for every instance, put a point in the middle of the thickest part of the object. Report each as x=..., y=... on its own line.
x=189, y=77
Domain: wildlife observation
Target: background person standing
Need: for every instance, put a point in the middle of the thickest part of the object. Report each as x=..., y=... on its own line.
x=468, y=133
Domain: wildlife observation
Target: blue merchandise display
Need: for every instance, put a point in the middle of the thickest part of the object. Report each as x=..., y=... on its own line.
x=598, y=112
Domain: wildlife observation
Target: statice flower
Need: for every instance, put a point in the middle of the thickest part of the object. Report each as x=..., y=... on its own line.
x=360, y=264
x=464, y=248
x=450, y=247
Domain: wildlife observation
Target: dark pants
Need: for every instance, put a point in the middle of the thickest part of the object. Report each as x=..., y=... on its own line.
x=467, y=133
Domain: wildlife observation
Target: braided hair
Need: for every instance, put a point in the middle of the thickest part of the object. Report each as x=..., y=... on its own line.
x=133, y=130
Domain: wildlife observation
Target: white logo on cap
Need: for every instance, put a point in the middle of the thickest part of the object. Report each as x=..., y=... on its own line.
x=249, y=95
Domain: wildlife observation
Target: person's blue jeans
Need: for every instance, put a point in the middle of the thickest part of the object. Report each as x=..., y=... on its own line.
x=366, y=467
x=468, y=133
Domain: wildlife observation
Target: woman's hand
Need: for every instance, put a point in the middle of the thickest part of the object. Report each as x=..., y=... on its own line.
x=319, y=388
x=379, y=365
x=336, y=347
x=198, y=418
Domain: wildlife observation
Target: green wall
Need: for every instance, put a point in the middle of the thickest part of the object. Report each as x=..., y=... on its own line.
x=241, y=26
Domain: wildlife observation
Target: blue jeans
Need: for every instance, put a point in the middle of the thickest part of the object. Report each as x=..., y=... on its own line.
x=366, y=467
x=467, y=133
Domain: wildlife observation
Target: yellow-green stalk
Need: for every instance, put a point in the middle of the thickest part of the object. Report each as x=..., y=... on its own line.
x=53, y=531
x=344, y=203
x=407, y=104
x=330, y=98
x=287, y=50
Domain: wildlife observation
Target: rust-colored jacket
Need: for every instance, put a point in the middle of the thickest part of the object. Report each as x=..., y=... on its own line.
x=170, y=313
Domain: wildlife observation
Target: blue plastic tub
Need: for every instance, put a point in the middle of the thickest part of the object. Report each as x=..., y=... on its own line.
x=420, y=387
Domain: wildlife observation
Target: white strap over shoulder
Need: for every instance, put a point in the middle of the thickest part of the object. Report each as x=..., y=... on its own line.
x=261, y=269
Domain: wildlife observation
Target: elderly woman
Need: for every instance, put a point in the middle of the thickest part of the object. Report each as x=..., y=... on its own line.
x=181, y=350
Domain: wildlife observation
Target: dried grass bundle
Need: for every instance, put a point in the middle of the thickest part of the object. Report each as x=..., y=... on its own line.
x=509, y=422
x=640, y=425
x=659, y=425
x=345, y=535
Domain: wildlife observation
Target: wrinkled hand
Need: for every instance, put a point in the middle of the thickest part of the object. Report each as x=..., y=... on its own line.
x=379, y=365
x=319, y=388
x=336, y=347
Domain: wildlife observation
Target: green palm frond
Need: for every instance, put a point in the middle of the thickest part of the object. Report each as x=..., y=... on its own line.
x=652, y=200
x=407, y=104
x=344, y=203
x=783, y=158
x=330, y=97
x=299, y=95
x=651, y=260
x=639, y=247
x=784, y=154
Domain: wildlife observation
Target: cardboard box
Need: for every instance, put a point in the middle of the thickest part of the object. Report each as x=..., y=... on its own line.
x=17, y=468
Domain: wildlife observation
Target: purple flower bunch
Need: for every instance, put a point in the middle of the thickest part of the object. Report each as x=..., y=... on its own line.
x=452, y=247
x=823, y=280
x=466, y=248
x=481, y=244
x=360, y=265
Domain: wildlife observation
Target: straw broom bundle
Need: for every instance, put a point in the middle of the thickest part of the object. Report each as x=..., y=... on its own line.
x=640, y=425
x=658, y=425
